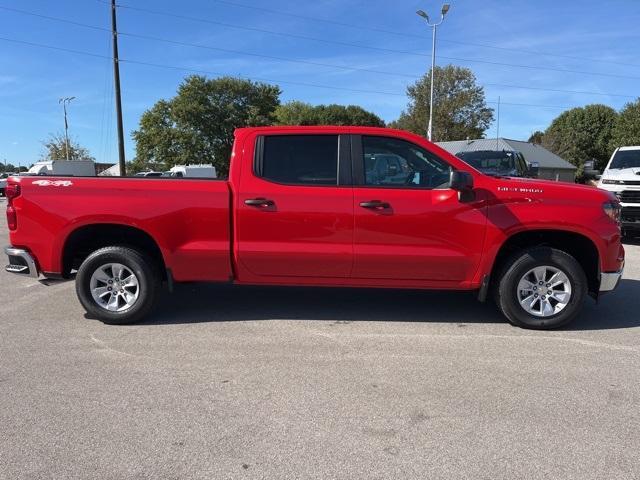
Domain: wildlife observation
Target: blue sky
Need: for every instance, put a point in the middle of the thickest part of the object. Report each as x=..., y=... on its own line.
x=601, y=38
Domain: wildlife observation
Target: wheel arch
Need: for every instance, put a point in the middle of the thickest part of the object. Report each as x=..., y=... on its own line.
x=579, y=246
x=84, y=240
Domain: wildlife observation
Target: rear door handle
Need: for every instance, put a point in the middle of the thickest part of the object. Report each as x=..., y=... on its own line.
x=259, y=202
x=375, y=204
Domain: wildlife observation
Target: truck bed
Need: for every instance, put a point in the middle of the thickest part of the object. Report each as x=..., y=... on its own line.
x=189, y=219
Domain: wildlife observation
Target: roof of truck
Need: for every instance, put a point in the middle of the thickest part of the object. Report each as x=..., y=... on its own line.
x=278, y=128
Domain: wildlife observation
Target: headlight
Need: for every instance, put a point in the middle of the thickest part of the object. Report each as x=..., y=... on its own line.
x=613, y=182
x=613, y=211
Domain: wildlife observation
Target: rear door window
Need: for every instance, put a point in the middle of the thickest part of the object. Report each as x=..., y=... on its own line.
x=299, y=159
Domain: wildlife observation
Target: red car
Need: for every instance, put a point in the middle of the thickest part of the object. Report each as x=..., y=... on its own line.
x=323, y=206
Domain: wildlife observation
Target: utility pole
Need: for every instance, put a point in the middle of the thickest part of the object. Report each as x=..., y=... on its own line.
x=116, y=78
x=66, y=101
x=434, y=26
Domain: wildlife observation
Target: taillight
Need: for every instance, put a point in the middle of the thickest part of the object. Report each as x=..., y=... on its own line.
x=12, y=218
x=12, y=191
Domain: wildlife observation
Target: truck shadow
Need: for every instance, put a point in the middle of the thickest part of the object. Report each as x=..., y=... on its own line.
x=194, y=303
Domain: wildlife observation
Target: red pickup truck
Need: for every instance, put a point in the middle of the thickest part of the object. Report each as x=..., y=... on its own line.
x=322, y=206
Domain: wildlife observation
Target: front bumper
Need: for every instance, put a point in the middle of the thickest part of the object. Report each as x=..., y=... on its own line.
x=21, y=262
x=630, y=217
x=609, y=281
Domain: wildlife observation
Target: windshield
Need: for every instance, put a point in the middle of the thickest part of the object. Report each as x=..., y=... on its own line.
x=490, y=162
x=626, y=159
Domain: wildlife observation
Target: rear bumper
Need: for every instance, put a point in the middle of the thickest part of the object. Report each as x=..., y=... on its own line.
x=21, y=262
x=609, y=281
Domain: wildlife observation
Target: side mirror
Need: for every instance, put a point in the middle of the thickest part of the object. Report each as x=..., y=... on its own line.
x=463, y=183
x=534, y=169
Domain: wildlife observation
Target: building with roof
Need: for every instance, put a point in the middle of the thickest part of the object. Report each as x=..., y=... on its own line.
x=113, y=170
x=552, y=167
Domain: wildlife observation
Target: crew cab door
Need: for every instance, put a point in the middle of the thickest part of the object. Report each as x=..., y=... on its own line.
x=409, y=225
x=294, y=207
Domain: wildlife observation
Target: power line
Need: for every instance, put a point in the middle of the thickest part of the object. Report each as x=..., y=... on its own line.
x=356, y=69
x=546, y=54
x=305, y=84
x=293, y=60
x=209, y=72
x=57, y=19
x=188, y=69
x=412, y=35
x=51, y=47
x=271, y=57
x=187, y=44
x=559, y=90
x=356, y=45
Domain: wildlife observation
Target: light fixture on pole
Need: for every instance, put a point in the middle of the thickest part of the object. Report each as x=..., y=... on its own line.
x=434, y=26
x=65, y=101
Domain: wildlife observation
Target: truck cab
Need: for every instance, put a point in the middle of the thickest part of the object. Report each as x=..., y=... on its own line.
x=622, y=177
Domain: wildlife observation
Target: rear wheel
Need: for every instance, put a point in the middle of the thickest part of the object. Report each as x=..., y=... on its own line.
x=541, y=288
x=117, y=285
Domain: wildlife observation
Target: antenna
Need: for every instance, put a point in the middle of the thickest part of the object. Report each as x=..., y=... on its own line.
x=498, y=129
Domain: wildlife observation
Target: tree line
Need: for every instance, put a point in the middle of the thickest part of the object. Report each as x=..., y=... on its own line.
x=197, y=124
x=592, y=132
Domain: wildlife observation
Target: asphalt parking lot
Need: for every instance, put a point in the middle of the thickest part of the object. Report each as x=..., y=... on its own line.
x=275, y=383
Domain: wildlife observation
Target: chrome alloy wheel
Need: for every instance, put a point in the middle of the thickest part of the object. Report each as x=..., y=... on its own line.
x=544, y=291
x=114, y=287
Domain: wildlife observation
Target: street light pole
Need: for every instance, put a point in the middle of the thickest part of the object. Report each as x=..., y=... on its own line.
x=434, y=27
x=65, y=101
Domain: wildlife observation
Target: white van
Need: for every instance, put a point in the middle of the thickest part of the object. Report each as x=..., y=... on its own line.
x=192, y=171
x=622, y=177
x=75, y=168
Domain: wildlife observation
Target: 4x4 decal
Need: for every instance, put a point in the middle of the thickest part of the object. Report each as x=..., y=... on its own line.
x=53, y=183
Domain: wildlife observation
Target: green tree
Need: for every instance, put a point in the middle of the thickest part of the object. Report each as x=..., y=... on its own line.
x=297, y=113
x=300, y=113
x=627, y=128
x=197, y=125
x=581, y=134
x=460, y=108
x=536, y=137
x=8, y=167
x=56, y=149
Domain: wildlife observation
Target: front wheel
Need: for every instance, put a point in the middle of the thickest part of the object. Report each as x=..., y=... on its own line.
x=117, y=285
x=541, y=288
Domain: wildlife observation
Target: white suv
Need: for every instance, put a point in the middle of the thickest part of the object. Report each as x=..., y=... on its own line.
x=622, y=177
x=3, y=183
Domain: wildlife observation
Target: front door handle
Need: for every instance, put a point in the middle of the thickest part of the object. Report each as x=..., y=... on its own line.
x=375, y=205
x=259, y=202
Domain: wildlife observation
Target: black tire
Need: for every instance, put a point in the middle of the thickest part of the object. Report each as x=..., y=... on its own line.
x=506, y=291
x=146, y=271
